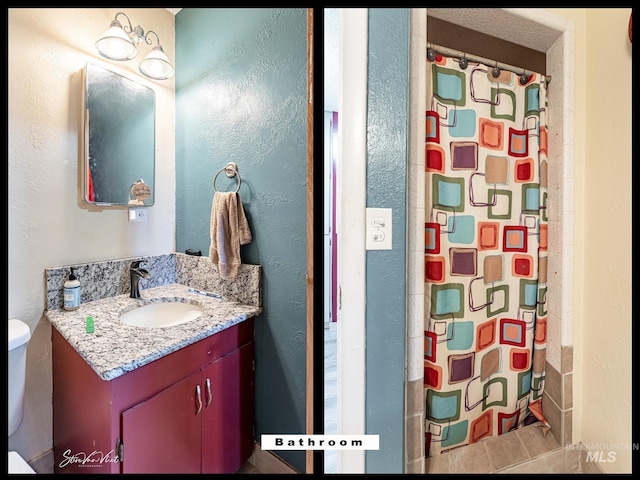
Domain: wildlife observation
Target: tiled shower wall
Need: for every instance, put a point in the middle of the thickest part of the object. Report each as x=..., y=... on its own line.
x=558, y=398
x=414, y=390
x=557, y=401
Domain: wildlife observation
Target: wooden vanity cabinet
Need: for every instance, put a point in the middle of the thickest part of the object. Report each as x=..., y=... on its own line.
x=188, y=412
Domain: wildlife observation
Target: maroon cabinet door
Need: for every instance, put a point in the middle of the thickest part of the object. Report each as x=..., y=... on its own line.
x=227, y=420
x=162, y=434
x=202, y=424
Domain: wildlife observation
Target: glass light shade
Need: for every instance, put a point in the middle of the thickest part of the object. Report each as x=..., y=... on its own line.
x=156, y=65
x=115, y=44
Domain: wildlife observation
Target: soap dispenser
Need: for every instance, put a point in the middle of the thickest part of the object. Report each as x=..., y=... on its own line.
x=72, y=292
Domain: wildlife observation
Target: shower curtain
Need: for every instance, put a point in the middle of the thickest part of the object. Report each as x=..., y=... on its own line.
x=485, y=253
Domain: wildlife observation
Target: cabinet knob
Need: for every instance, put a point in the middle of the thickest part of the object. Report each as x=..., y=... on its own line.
x=198, y=400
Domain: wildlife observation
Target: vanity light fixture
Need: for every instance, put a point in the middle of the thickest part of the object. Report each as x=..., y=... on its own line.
x=119, y=43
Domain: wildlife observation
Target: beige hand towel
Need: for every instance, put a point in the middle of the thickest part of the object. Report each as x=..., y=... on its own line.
x=229, y=230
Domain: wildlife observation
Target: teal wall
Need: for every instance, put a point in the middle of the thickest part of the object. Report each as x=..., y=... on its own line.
x=387, y=158
x=241, y=96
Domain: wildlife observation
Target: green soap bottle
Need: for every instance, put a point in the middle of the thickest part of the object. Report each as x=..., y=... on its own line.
x=89, y=324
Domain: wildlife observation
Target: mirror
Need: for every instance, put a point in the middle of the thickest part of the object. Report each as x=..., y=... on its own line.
x=119, y=139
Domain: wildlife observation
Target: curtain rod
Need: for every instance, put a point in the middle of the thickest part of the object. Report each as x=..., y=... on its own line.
x=475, y=58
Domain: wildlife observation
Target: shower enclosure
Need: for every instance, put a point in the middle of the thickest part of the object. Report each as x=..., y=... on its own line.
x=555, y=37
x=485, y=251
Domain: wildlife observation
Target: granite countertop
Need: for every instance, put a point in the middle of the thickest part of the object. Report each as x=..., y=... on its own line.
x=116, y=348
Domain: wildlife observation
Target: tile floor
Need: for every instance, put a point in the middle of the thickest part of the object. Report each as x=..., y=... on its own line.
x=526, y=450
x=263, y=462
x=248, y=468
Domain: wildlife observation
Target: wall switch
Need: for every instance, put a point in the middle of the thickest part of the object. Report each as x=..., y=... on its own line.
x=378, y=228
x=138, y=214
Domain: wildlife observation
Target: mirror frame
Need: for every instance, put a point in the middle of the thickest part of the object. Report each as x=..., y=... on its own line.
x=137, y=196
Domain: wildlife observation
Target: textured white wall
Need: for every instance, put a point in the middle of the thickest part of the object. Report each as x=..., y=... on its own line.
x=602, y=337
x=48, y=224
x=603, y=326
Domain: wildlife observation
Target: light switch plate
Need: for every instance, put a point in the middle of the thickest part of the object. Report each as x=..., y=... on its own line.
x=378, y=228
x=137, y=215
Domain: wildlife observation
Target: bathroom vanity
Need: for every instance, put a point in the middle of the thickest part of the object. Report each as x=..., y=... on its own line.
x=151, y=394
x=188, y=412
x=164, y=399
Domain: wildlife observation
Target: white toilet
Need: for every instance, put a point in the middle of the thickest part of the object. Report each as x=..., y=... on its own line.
x=19, y=336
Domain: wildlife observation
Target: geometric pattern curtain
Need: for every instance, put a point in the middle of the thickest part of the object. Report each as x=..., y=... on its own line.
x=485, y=261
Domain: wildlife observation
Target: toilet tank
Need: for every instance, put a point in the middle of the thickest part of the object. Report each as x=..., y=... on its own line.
x=19, y=335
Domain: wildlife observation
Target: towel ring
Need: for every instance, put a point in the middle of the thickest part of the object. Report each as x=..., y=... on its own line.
x=230, y=170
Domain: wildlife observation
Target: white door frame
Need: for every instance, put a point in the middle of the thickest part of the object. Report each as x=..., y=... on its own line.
x=350, y=213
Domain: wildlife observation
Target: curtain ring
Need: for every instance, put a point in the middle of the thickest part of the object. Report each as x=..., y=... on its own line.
x=496, y=71
x=431, y=54
x=524, y=78
x=464, y=63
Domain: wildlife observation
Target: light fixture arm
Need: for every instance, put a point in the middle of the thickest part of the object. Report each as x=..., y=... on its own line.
x=135, y=33
x=116, y=23
x=148, y=41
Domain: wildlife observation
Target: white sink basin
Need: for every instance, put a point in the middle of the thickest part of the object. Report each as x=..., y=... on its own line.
x=161, y=314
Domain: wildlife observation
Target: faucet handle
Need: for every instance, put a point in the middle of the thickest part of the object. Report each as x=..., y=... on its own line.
x=136, y=263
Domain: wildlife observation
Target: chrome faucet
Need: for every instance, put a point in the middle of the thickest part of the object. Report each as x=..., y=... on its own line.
x=136, y=273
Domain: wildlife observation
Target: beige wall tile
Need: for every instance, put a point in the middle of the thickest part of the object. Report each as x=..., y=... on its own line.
x=505, y=450
x=567, y=388
x=553, y=415
x=567, y=428
x=415, y=395
x=535, y=442
x=566, y=358
x=553, y=384
x=588, y=467
x=552, y=462
x=416, y=466
x=437, y=464
x=413, y=434
x=572, y=459
x=471, y=458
